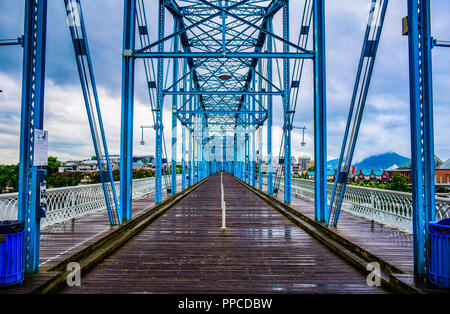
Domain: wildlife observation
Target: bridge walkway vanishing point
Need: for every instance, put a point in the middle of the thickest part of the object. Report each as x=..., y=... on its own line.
x=185, y=251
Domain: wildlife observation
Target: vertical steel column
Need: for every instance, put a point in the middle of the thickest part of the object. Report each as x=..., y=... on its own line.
x=183, y=157
x=286, y=108
x=246, y=147
x=422, y=138
x=183, y=132
x=225, y=162
x=260, y=157
x=253, y=146
x=269, y=116
x=235, y=162
x=174, y=111
x=191, y=137
x=194, y=145
x=320, y=132
x=159, y=105
x=32, y=117
x=202, y=145
x=126, y=141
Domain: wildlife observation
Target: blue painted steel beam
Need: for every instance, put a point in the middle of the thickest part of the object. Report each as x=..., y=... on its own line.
x=126, y=138
x=219, y=92
x=12, y=42
x=174, y=116
x=372, y=37
x=320, y=133
x=286, y=108
x=32, y=118
x=87, y=79
x=269, y=116
x=422, y=135
x=227, y=55
x=159, y=105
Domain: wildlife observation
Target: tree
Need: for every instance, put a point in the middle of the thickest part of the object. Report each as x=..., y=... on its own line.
x=399, y=183
x=9, y=178
x=52, y=165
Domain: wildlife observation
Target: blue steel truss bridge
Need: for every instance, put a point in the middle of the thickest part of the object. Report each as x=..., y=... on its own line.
x=229, y=220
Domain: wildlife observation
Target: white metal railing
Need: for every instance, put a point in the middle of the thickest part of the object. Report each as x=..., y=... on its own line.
x=388, y=207
x=75, y=201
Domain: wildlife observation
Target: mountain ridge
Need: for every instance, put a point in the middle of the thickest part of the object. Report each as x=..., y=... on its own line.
x=375, y=162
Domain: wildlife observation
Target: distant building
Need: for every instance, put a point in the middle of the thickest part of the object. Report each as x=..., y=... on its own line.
x=372, y=175
x=304, y=162
x=331, y=175
x=442, y=173
x=145, y=159
x=71, y=165
x=88, y=166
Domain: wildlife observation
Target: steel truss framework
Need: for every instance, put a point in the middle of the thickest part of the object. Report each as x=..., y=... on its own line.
x=221, y=59
x=220, y=56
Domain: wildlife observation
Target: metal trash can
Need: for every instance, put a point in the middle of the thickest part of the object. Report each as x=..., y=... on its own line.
x=12, y=252
x=439, y=263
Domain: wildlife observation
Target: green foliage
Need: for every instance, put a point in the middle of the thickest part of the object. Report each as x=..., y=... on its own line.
x=62, y=179
x=143, y=173
x=371, y=185
x=9, y=178
x=399, y=183
x=52, y=165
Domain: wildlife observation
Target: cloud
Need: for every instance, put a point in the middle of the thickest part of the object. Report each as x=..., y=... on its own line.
x=385, y=125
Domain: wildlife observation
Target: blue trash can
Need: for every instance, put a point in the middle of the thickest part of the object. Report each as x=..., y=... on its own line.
x=439, y=263
x=12, y=252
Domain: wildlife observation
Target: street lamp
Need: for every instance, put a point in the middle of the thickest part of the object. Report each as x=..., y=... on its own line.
x=303, y=143
x=142, y=142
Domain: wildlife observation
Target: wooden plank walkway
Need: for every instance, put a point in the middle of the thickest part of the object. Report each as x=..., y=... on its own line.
x=390, y=244
x=185, y=251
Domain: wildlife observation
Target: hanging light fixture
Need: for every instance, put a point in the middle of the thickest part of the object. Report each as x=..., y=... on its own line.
x=225, y=75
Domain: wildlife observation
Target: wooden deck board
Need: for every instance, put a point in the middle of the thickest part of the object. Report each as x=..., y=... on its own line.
x=185, y=251
x=65, y=239
x=390, y=244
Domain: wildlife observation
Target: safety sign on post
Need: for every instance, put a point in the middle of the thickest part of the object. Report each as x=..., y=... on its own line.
x=40, y=147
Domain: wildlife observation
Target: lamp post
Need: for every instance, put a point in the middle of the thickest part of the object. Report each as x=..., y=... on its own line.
x=142, y=142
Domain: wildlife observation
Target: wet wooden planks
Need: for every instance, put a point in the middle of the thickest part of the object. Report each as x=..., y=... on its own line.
x=390, y=244
x=62, y=240
x=185, y=251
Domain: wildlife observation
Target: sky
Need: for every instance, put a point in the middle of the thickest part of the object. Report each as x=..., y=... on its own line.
x=385, y=126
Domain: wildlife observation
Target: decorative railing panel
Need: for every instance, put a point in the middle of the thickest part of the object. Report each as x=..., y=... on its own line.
x=72, y=202
x=384, y=206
